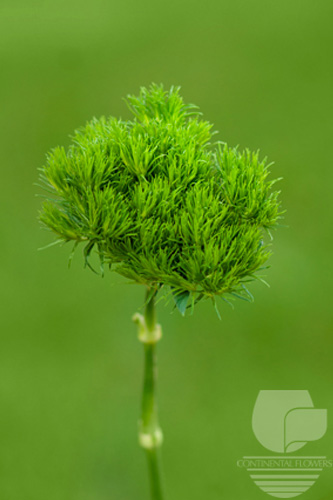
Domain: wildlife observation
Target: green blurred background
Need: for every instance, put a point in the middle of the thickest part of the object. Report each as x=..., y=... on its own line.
x=70, y=362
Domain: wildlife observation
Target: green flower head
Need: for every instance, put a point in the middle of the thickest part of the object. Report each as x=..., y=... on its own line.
x=161, y=203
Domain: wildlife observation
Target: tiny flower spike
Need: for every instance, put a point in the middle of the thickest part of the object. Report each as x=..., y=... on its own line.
x=167, y=208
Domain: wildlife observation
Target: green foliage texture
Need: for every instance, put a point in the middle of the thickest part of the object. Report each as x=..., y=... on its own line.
x=161, y=203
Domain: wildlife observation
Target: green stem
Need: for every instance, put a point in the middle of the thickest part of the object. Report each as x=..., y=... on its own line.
x=150, y=434
x=154, y=468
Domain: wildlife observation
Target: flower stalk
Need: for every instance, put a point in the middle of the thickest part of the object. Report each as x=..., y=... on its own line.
x=150, y=433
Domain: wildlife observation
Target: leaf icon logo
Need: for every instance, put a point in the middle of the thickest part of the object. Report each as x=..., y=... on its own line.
x=285, y=421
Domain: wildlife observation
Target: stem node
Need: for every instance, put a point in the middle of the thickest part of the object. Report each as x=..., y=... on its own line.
x=151, y=440
x=145, y=334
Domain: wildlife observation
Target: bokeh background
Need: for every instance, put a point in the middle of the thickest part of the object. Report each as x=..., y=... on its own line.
x=70, y=362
